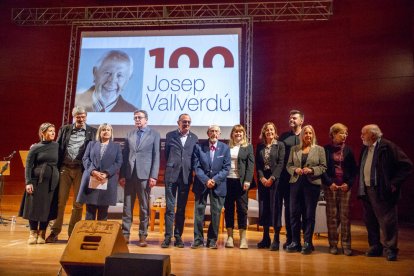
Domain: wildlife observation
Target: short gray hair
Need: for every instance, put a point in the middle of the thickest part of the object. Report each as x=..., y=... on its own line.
x=214, y=127
x=78, y=110
x=118, y=56
x=142, y=111
x=375, y=130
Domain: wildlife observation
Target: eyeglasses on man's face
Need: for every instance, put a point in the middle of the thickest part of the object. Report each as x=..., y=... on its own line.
x=139, y=117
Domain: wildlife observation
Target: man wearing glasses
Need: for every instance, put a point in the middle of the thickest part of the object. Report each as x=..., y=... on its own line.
x=139, y=173
x=72, y=139
x=179, y=147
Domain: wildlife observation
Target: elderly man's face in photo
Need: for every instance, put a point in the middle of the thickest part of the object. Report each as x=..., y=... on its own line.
x=111, y=76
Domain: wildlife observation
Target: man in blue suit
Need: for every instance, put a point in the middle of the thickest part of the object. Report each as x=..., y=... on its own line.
x=211, y=163
x=179, y=147
x=139, y=173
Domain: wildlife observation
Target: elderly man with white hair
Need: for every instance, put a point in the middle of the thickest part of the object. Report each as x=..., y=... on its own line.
x=211, y=163
x=383, y=169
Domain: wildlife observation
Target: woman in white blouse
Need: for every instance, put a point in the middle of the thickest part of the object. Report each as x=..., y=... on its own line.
x=238, y=183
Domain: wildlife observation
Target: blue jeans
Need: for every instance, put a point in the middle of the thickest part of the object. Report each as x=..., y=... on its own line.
x=180, y=191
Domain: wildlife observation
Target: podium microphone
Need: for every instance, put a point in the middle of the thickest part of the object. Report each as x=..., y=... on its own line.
x=10, y=156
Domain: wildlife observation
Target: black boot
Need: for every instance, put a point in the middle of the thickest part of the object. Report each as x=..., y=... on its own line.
x=265, y=242
x=276, y=243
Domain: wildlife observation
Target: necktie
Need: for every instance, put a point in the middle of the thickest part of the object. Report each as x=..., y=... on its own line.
x=212, y=149
x=139, y=135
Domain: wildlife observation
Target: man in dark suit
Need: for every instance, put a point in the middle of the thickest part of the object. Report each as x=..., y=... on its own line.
x=211, y=165
x=179, y=147
x=139, y=173
x=72, y=139
x=383, y=169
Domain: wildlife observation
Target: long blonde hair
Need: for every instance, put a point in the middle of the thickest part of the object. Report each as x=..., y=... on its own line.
x=244, y=142
x=101, y=127
x=313, y=142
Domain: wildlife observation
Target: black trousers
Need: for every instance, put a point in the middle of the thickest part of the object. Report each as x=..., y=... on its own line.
x=235, y=194
x=380, y=216
x=38, y=225
x=303, y=201
x=96, y=212
x=284, y=199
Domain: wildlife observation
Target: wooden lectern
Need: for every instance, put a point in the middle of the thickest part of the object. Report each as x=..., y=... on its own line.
x=23, y=156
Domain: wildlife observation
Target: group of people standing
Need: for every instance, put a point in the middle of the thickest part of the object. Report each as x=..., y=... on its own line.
x=291, y=171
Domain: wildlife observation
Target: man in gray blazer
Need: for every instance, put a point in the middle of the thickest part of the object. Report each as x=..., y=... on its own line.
x=179, y=147
x=139, y=173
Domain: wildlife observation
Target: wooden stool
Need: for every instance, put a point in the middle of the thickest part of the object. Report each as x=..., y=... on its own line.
x=161, y=212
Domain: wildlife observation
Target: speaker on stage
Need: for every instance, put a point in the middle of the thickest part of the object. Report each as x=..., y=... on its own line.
x=90, y=243
x=137, y=264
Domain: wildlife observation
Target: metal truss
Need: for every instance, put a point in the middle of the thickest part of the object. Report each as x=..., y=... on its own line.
x=243, y=14
x=305, y=10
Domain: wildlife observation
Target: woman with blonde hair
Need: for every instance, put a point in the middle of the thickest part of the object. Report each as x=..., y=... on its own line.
x=306, y=164
x=239, y=181
x=39, y=203
x=102, y=161
x=270, y=154
x=338, y=180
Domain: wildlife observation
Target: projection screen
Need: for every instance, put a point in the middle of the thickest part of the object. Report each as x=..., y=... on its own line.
x=166, y=73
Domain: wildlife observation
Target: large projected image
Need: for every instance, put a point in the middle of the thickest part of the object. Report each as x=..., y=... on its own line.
x=165, y=73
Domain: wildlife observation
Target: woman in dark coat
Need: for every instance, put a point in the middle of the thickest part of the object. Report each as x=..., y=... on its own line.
x=101, y=161
x=270, y=155
x=39, y=204
x=338, y=180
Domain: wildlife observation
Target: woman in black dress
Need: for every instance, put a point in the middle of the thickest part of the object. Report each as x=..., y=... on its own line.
x=39, y=204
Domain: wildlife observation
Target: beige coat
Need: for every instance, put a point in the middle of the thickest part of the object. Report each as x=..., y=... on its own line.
x=316, y=161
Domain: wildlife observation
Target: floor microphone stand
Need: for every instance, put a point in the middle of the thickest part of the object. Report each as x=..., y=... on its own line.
x=3, y=169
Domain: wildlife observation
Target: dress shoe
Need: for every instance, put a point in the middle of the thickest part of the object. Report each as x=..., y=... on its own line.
x=213, y=245
x=286, y=244
x=197, y=244
x=142, y=242
x=347, y=251
x=265, y=243
x=306, y=249
x=126, y=238
x=392, y=256
x=333, y=250
x=179, y=243
x=293, y=247
x=52, y=238
x=166, y=243
x=374, y=251
x=274, y=246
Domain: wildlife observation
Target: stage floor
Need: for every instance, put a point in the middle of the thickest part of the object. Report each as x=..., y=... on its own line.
x=18, y=258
